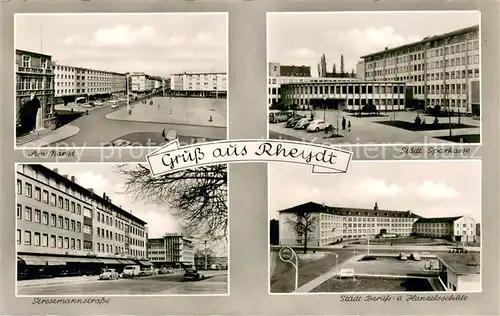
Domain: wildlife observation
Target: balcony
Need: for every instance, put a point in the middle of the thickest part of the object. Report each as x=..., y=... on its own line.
x=36, y=71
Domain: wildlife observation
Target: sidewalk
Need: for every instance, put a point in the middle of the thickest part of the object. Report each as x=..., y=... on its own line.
x=54, y=136
x=58, y=280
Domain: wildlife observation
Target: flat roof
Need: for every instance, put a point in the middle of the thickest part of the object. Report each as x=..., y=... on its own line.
x=425, y=40
x=462, y=263
x=21, y=51
x=438, y=219
x=311, y=207
x=199, y=73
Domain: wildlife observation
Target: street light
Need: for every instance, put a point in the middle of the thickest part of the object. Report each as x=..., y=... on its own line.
x=206, y=267
x=324, y=108
x=128, y=100
x=337, y=260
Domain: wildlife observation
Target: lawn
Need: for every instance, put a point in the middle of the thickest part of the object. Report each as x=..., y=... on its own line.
x=410, y=126
x=406, y=241
x=283, y=278
x=468, y=138
x=375, y=284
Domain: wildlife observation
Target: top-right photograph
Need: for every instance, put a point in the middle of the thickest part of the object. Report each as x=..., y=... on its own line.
x=375, y=77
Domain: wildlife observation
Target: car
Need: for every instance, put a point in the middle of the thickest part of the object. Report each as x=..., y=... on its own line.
x=121, y=143
x=317, y=125
x=193, y=275
x=131, y=271
x=109, y=274
x=115, y=105
x=303, y=123
x=98, y=103
x=458, y=250
x=293, y=120
x=415, y=257
x=87, y=105
x=278, y=117
x=402, y=256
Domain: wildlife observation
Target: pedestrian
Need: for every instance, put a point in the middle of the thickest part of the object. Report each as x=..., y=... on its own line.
x=349, y=126
x=210, y=119
x=86, y=112
x=170, y=111
x=163, y=133
x=343, y=123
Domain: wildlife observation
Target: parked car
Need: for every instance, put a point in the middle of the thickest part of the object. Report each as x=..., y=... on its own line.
x=458, y=250
x=293, y=120
x=303, y=123
x=414, y=256
x=148, y=272
x=131, y=271
x=87, y=105
x=403, y=256
x=317, y=125
x=115, y=105
x=193, y=275
x=109, y=274
x=278, y=117
x=98, y=103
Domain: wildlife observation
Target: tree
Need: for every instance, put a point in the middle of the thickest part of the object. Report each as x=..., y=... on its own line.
x=303, y=225
x=334, y=70
x=323, y=66
x=342, y=73
x=319, y=70
x=199, y=257
x=196, y=197
x=352, y=73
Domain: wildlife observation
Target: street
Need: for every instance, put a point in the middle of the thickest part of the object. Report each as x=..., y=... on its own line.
x=216, y=282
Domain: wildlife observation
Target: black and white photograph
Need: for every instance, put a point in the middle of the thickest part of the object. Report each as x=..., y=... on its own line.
x=120, y=79
x=384, y=226
x=87, y=229
x=374, y=77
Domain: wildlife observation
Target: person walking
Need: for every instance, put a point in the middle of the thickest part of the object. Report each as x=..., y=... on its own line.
x=349, y=126
x=343, y=123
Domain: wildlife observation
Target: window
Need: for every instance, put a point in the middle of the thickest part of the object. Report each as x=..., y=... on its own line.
x=59, y=242
x=73, y=225
x=45, y=197
x=52, y=241
x=66, y=204
x=87, y=212
x=27, y=238
x=98, y=247
x=66, y=242
x=37, y=239
x=53, y=199
x=78, y=227
x=27, y=61
x=73, y=243
x=78, y=244
x=19, y=187
x=27, y=213
x=87, y=245
x=38, y=215
x=72, y=207
x=78, y=209
x=28, y=188
x=60, y=222
x=87, y=229
x=38, y=194
x=19, y=211
x=60, y=202
x=18, y=236
x=66, y=223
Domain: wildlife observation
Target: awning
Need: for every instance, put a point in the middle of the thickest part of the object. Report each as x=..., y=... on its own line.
x=42, y=260
x=145, y=263
x=128, y=261
x=108, y=261
x=56, y=261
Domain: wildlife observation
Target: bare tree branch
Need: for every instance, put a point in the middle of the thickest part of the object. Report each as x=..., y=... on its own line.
x=304, y=225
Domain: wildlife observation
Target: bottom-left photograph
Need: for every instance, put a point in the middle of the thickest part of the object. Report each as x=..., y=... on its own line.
x=114, y=229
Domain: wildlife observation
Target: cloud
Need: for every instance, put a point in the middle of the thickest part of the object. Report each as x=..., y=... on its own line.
x=378, y=187
x=92, y=180
x=303, y=52
x=125, y=35
x=431, y=190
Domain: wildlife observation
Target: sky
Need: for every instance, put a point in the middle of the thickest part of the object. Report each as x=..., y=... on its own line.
x=301, y=38
x=427, y=188
x=157, y=44
x=104, y=178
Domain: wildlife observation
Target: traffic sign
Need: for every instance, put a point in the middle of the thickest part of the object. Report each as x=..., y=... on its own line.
x=286, y=254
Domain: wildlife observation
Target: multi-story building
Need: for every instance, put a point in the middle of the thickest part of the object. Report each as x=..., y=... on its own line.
x=440, y=69
x=76, y=82
x=62, y=226
x=199, y=84
x=142, y=83
x=459, y=228
x=171, y=250
x=335, y=224
x=278, y=70
x=342, y=93
x=34, y=91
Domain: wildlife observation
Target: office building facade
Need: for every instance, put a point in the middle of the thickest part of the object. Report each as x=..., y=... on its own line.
x=34, y=91
x=278, y=70
x=459, y=229
x=199, y=84
x=142, y=83
x=439, y=69
x=62, y=226
x=171, y=250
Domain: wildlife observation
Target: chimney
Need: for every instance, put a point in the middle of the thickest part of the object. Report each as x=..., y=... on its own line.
x=55, y=170
x=104, y=196
x=66, y=176
x=91, y=190
x=73, y=179
x=386, y=48
x=375, y=207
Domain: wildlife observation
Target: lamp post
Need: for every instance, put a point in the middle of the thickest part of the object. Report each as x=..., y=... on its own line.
x=368, y=249
x=128, y=100
x=206, y=268
x=324, y=108
x=337, y=261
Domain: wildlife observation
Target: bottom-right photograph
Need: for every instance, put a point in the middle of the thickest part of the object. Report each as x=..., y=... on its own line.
x=383, y=226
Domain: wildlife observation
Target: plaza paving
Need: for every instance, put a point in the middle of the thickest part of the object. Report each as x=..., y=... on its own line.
x=186, y=111
x=366, y=130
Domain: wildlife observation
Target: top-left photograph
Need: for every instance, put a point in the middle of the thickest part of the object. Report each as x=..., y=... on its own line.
x=120, y=79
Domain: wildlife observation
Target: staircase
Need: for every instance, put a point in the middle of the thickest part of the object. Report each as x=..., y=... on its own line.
x=21, y=140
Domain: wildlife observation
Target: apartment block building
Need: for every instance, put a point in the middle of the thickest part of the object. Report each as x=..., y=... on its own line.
x=440, y=69
x=278, y=70
x=34, y=91
x=200, y=84
x=66, y=226
x=143, y=83
x=171, y=250
x=459, y=228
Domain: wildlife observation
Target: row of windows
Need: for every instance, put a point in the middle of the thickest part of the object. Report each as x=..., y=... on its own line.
x=44, y=218
x=42, y=240
x=33, y=84
x=108, y=220
x=27, y=62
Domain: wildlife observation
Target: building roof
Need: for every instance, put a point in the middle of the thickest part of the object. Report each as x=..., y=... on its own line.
x=462, y=263
x=310, y=207
x=425, y=40
x=94, y=195
x=199, y=73
x=438, y=219
x=20, y=51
